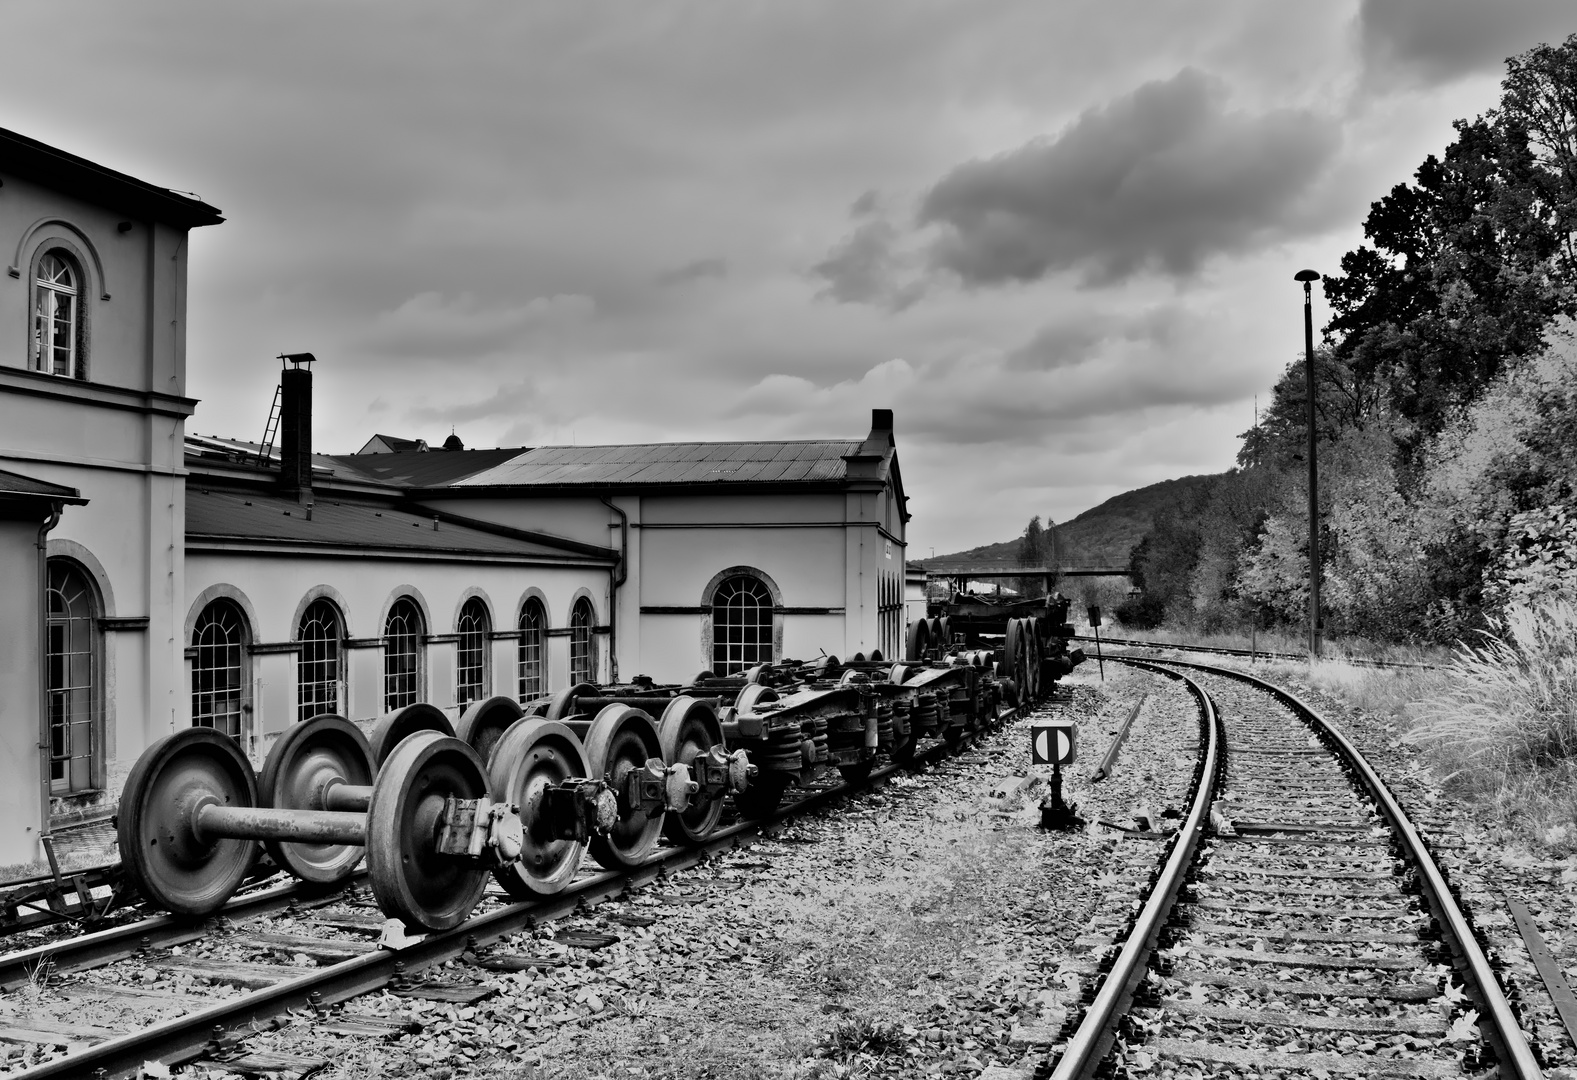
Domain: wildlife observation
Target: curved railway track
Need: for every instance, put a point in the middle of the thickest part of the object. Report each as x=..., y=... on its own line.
x=344, y=924
x=1218, y=650
x=1296, y=924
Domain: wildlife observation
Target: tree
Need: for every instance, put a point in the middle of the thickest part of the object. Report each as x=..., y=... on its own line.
x=1467, y=266
x=1035, y=548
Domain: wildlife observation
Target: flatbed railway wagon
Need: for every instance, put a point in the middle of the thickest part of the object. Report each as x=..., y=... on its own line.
x=1030, y=639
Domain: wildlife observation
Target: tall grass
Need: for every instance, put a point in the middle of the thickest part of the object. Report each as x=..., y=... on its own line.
x=1503, y=728
x=1511, y=698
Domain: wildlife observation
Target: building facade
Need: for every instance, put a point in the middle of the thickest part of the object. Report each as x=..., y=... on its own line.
x=93, y=399
x=152, y=578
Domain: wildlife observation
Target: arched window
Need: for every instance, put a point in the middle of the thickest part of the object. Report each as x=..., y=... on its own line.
x=532, y=661
x=322, y=638
x=582, y=646
x=470, y=678
x=56, y=298
x=219, y=668
x=402, y=655
x=73, y=659
x=741, y=625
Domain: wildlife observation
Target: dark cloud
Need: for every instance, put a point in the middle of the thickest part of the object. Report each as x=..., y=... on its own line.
x=1430, y=42
x=698, y=270
x=868, y=267
x=1162, y=178
x=865, y=204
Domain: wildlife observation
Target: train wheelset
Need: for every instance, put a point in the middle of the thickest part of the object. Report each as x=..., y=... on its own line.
x=431, y=810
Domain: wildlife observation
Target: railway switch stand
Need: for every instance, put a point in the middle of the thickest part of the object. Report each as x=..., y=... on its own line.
x=1055, y=743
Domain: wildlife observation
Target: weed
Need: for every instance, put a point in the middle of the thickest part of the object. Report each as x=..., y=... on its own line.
x=862, y=1034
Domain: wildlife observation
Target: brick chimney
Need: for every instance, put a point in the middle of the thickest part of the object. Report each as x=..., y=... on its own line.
x=295, y=424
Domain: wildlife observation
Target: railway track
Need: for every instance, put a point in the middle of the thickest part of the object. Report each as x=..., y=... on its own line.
x=1296, y=924
x=1217, y=650
x=235, y=984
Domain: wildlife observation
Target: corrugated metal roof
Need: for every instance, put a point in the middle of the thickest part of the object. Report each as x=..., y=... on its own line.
x=229, y=515
x=422, y=468
x=671, y=463
x=16, y=484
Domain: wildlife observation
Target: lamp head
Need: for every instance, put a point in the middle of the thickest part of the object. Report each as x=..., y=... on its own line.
x=1306, y=276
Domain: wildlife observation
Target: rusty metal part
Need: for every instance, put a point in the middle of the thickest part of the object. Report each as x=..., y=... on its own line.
x=1109, y=761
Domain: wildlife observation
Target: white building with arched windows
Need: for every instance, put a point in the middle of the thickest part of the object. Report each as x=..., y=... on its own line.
x=151, y=578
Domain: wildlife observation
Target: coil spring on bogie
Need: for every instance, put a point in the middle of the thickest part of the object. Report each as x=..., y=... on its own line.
x=926, y=716
x=884, y=725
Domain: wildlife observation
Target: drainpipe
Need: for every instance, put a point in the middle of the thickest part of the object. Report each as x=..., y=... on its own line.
x=43, y=675
x=617, y=577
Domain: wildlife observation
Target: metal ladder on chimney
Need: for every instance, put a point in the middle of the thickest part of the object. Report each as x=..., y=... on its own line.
x=270, y=429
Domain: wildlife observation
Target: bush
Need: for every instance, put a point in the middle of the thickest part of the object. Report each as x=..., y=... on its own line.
x=1511, y=703
x=1143, y=612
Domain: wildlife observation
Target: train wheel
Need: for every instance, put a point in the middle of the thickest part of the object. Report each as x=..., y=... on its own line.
x=484, y=722
x=564, y=700
x=410, y=879
x=531, y=757
x=620, y=741
x=303, y=764
x=395, y=727
x=688, y=729
x=762, y=797
x=163, y=856
x=944, y=633
x=918, y=639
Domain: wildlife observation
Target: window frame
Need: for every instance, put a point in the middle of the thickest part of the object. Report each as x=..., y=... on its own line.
x=200, y=650
x=304, y=702
x=406, y=608
x=532, y=639
x=37, y=349
x=733, y=646
x=89, y=696
x=473, y=640
x=582, y=641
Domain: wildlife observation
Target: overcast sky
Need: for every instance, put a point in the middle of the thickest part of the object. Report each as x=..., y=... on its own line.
x=1057, y=238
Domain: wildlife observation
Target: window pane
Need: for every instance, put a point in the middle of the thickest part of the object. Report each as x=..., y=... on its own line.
x=402, y=655
x=582, y=650
x=532, y=682
x=741, y=625
x=471, y=662
x=318, y=662
x=218, y=678
x=70, y=665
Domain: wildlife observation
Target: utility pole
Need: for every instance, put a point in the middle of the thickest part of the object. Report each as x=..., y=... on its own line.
x=1308, y=277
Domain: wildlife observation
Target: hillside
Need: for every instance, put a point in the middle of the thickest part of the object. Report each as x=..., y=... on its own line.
x=1102, y=535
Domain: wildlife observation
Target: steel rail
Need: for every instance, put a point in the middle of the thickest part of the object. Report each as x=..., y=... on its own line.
x=1504, y=1033
x=116, y=942
x=1093, y=1038
x=188, y=1037
x=1222, y=650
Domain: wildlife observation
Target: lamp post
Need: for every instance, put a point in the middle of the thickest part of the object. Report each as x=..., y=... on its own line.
x=1308, y=277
